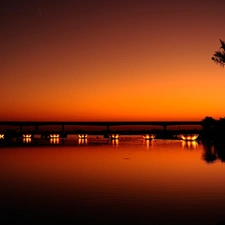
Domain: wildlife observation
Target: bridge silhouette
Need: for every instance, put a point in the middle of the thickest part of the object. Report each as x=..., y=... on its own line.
x=98, y=123
x=106, y=124
x=160, y=133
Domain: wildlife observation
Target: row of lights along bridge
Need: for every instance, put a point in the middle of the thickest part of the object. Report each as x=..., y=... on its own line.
x=185, y=137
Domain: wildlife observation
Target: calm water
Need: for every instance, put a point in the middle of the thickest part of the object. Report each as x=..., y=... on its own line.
x=130, y=181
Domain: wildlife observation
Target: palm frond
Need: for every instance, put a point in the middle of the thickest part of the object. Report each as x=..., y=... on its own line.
x=219, y=56
x=222, y=44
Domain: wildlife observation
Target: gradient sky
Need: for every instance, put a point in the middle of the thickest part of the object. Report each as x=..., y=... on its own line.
x=111, y=60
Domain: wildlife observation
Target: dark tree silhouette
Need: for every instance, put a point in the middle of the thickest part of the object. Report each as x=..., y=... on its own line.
x=219, y=56
x=208, y=125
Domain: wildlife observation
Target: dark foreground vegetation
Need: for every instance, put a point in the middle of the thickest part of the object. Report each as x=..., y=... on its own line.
x=213, y=139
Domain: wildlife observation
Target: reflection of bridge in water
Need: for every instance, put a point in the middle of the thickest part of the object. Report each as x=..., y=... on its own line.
x=162, y=131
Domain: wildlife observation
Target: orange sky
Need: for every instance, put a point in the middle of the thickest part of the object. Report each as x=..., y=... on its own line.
x=111, y=60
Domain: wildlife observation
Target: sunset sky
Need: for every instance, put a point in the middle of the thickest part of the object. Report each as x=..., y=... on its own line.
x=88, y=60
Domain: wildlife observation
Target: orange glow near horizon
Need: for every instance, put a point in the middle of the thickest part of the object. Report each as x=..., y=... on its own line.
x=149, y=61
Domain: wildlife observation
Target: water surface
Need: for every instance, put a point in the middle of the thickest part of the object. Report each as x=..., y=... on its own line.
x=127, y=181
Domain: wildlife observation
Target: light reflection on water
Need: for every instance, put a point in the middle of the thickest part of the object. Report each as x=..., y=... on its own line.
x=148, y=143
x=54, y=141
x=115, y=142
x=26, y=140
x=139, y=182
x=82, y=141
x=190, y=144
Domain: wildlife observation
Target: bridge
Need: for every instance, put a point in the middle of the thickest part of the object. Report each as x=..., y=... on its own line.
x=160, y=133
x=106, y=124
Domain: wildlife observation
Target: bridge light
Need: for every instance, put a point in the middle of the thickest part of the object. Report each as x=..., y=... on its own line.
x=188, y=137
x=114, y=136
x=54, y=135
x=82, y=136
x=149, y=136
x=27, y=135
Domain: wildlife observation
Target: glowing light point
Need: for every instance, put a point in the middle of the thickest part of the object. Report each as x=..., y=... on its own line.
x=149, y=136
x=54, y=135
x=114, y=136
x=27, y=135
x=82, y=136
x=2, y=136
x=188, y=137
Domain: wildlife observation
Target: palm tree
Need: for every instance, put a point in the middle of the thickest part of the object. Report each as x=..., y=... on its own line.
x=219, y=56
